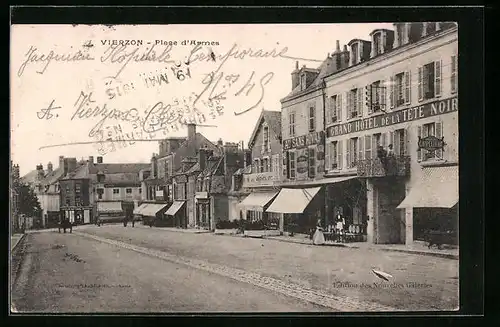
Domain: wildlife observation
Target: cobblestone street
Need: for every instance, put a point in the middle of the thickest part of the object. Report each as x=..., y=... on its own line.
x=419, y=282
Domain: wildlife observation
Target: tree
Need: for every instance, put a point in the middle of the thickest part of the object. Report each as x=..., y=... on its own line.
x=28, y=201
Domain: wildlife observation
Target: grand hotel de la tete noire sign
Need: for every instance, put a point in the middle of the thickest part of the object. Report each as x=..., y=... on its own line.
x=400, y=116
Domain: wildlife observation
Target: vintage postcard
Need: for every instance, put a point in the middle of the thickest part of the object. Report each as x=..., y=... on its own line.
x=234, y=168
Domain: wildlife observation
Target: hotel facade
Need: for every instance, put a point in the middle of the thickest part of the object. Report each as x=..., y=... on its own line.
x=373, y=134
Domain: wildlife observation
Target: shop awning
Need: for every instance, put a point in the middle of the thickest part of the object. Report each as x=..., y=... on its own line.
x=293, y=200
x=151, y=209
x=257, y=201
x=137, y=211
x=438, y=188
x=176, y=206
x=109, y=207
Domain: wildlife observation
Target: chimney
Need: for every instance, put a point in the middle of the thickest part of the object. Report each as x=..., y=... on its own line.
x=191, y=132
x=99, y=160
x=40, y=172
x=337, y=46
x=91, y=159
x=50, y=168
x=248, y=158
x=220, y=143
x=61, y=161
x=336, y=57
x=295, y=76
x=344, y=58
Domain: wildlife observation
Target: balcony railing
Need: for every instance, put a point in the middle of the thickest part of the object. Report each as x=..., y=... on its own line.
x=390, y=166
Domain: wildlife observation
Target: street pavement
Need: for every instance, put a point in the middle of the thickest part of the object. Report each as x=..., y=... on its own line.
x=340, y=279
x=68, y=273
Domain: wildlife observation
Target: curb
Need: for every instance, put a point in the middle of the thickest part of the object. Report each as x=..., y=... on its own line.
x=431, y=254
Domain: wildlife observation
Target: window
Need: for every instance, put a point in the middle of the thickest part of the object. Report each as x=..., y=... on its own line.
x=399, y=95
x=333, y=109
x=68, y=202
x=430, y=28
x=400, y=34
x=265, y=135
x=312, y=118
x=291, y=164
x=312, y=162
x=256, y=166
x=140, y=190
x=429, y=81
x=432, y=129
x=78, y=200
x=400, y=89
x=291, y=121
x=453, y=78
x=368, y=146
x=377, y=43
x=377, y=96
x=400, y=142
x=67, y=188
x=128, y=191
x=355, y=53
x=334, y=155
x=303, y=81
x=261, y=168
x=276, y=164
x=354, y=102
x=352, y=152
x=116, y=191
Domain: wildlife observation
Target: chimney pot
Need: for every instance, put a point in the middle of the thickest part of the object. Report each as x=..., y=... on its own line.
x=91, y=159
x=345, y=48
x=296, y=65
x=337, y=46
x=191, y=132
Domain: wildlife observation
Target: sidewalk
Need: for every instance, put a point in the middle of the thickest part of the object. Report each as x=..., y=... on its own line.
x=173, y=229
x=14, y=240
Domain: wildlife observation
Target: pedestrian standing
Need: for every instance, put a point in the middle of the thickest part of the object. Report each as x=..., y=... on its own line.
x=318, y=237
x=340, y=226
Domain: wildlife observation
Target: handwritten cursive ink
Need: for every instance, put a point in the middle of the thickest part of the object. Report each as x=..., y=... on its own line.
x=47, y=112
x=118, y=54
x=32, y=56
x=263, y=81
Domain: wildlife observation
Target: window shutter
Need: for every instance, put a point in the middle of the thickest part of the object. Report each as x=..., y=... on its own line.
x=360, y=148
x=419, y=151
x=383, y=140
x=407, y=87
x=340, y=106
x=391, y=92
x=331, y=108
x=286, y=164
x=374, y=147
x=437, y=78
x=339, y=154
x=391, y=138
x=369, y=89
x=383, y=41
x=360, y=102
x=348, y=153
x=349, y=104
x=368, y=147
x=453, y=79
x=439, y=134
x=396, y=144
x=383, y=95
x=405, y=141
x=328, y=155
x=420, y=83
x=361, y=48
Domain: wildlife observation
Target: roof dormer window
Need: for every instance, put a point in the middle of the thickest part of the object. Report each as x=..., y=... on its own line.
x=355, y=53
x=303, y=82
x=429, y=28
x=377, y=44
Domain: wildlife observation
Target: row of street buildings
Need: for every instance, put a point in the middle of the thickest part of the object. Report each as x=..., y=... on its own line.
x=371, y=134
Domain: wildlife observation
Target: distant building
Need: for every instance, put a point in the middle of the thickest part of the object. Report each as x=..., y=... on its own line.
x=110, y=186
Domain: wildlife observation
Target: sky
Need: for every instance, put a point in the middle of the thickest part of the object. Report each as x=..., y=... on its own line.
x=50, y=68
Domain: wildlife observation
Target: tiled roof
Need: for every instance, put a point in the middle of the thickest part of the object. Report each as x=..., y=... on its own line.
x=272, y=118
x=31, y=177
x=326, y=68
x=53, y=177
x=122, y=179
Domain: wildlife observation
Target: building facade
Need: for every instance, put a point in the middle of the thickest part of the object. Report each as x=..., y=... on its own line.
x=262, y=181
x=389, y=140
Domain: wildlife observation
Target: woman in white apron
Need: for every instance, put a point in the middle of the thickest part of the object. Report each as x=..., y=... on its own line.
x=318, y=237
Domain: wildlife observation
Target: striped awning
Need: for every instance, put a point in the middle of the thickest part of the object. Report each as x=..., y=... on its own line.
x=109, y=207
x=174, y=208
x=137, y=211
x=151, y=209
x=291, y=200
x=438, y=188
x=257, y=201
